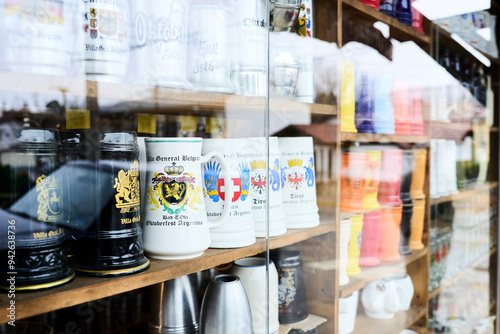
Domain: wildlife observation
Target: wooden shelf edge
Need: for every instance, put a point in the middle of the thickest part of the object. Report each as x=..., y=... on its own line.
x=464, y=193
x=394, y=23
x=137, y=98
x=463, y=272
x=382, y=138
x=401, y=321
x=85, y=289
x=370, y=274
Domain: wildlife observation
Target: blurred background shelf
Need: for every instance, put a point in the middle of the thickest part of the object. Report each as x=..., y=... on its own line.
x=370, y=274
x=463, y=272
x=382, y=138
x=464, y=193
x=84, y=289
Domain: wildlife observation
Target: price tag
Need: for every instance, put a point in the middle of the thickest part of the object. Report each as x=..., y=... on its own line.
x=188, y=123
x=77, y=119
x=212, y=125
x=147, y=124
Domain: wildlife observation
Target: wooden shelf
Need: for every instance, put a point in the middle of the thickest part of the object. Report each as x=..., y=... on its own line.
x=143, y=99
x=402, y=320
x=465, y=271
x=464, y=193
x=84, y=289
x=370, y=274
x=454, y=46
x=399, y=30
x=382, y=138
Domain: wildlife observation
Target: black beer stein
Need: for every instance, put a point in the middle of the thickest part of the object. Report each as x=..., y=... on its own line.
x=112, y=246
x=404, y=241
x=32, y=224
x=292, y=294
x=406, y=177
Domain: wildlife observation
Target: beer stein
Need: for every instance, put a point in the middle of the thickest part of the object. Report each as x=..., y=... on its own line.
x=347, y=98
x=405, y=289
x=401, y=108
x=372, y=3
x=252, y=273
x=292, y=294
x=380, y=299
x=37, y=214
x=406, y=219
x=113, y=246
x=36, y=36
x=406, y=176
x=174, y=307
x=176, y=225
x=238, y=228
x=390, y=177
x=364, y=107
x=416, y=115
x=418, y=177
x=390, y=234
x=225, y=308
x=348, y=309
x=383, y=117
x=102, y=40
x=353, y=268
x=283, y=65
x=368, y=256
x=345, y=234
x=387, y=7
x=208, y=63
x=354, y=166
x=372, y=183
x=260, y=187
x=298, y=174
x=417, y=225
x=249, y=47
x=284, y=14
x=403, y=11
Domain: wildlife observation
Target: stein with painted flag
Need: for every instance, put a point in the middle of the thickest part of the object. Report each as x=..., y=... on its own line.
x=238, y=228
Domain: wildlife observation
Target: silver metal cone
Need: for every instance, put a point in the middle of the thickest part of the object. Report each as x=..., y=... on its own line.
x=225, y=308
x=174, y=307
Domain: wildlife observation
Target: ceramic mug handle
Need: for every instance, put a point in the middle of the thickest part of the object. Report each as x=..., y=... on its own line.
x=228, y=185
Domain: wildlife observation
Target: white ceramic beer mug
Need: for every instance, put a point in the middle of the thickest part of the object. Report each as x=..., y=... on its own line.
x=299, y=191
x=238, y=229
x=175, y=222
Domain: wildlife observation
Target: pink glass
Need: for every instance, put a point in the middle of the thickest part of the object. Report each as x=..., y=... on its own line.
x=371, y=239
x=390, y=177
x=372, y=3
x=418, y=19
x=416, y=115
x=400, y=105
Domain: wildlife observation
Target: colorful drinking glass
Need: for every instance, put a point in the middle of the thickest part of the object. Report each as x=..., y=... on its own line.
x=353, y=268
x=345, y=234
x=372, y=3
x=364, y=107
x=406, y=177
x=417, y=19
x=347, y=98
x=390, y=177
x=384, y=114
x=388, y=249
x=406, y=218
x=353, y=181
x=368, y=256
x=372, y=183
x=418, y=177
x=416, y=115
x=417, y=225
x=401, y=108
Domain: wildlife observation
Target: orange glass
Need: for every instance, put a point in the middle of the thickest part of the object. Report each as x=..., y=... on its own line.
x=418, y=177
x=353, y=181
x=372, y=183
x=417, y=225
x=390, y=234
x=401, y=108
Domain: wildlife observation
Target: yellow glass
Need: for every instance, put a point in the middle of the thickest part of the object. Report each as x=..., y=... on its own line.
x=417, y=225
x=355, y=245
x=418, y=176
x=370, y=201
x=347, y=98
